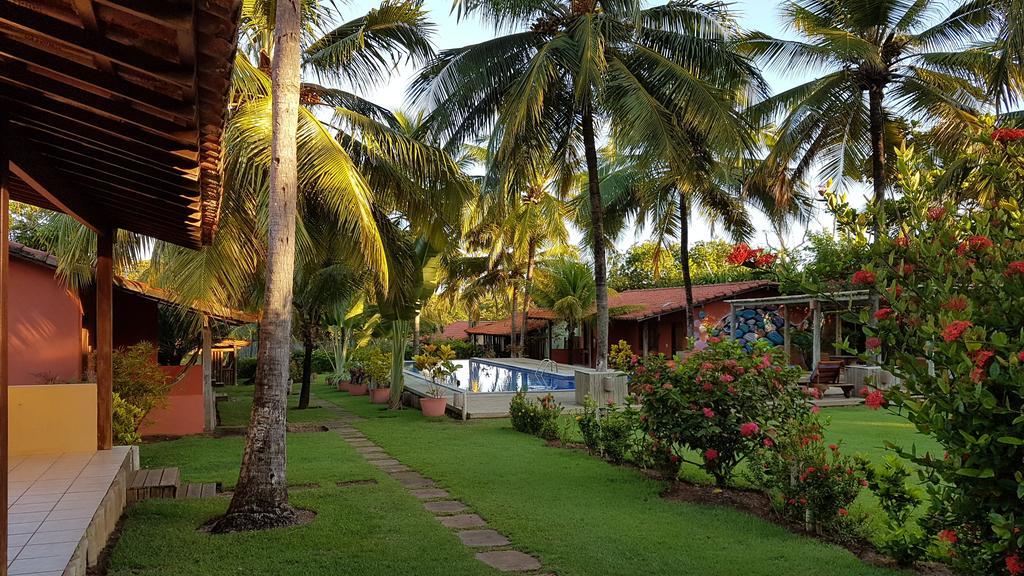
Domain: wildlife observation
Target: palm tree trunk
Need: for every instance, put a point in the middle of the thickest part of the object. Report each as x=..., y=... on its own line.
x=572, y=341
x=399, y=328
x=260, y=499
x=875, y=94
x=684, y=261
x=512, y=327
x=307, y=367
x=416, y=334
x=530, y=262
x=597, y=237
x=343, y=358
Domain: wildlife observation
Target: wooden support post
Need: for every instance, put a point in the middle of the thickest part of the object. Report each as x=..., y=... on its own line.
x=209, y=402
x=105, y=339
x=5, y=406
x=816, y=343
x=787, y=340
x=644, y=331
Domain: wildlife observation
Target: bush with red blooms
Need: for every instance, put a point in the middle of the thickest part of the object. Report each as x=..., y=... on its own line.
x=949, y=274
x=719, y=404
x=809, y=481
x=756, y=258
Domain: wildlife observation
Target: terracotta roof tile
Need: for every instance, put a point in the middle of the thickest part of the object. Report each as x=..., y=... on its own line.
x=502, y=327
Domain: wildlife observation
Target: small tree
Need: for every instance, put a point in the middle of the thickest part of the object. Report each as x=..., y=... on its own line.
x=139, y=384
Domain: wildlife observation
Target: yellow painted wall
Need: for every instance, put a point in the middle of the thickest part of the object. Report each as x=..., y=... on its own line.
x=52, y=418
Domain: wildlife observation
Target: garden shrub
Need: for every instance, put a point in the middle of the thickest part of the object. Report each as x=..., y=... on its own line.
x=537, y=418
x=590, y=428
x=717, y=403
x=618, y=428
x=246, y=370
x=138, y=378
x=620, y=356
x=463, y=349
x=814, y=484
x=898, y=499
x=951, y=273
x=126, y=422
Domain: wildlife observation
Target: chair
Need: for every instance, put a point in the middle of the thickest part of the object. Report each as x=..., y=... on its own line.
x=826, y=374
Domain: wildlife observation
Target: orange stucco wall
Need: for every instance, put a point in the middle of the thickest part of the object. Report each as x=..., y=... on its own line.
x=45, y=327
x=183, y=414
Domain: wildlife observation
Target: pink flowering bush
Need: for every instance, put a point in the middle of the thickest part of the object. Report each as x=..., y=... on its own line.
x=718, y=404
x=950, y=276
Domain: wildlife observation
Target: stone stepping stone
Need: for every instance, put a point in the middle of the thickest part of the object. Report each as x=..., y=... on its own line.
x=395, y=468
x=509, y=560
x=430, y=493
x=362, y=443
x=367, y=450
x=412, y=480
x=376, y=458
x=482, y=538
x=445, y=507
x=462, y=521
x=380, y=463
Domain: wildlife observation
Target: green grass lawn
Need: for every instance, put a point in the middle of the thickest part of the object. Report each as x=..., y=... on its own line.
x=359, y=529
x=578, y=514
x=235, y=411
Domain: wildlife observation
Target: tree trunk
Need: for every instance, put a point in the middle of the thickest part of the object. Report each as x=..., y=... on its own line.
x=530, y=261
x=260, y=499
x=307, y=367
x=875, y=94
x=597, y=237
x=684, y=261
x=572, y=341
x=416, y=334
x=512, y=327
x=343, y=357
x=398, y=331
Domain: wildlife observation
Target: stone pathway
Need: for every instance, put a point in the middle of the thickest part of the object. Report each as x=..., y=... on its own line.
x=491, y=546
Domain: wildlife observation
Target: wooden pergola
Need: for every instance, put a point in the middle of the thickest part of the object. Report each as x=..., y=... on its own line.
x=111, y=111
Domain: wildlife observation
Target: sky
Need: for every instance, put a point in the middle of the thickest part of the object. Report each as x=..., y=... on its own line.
x=759, y=15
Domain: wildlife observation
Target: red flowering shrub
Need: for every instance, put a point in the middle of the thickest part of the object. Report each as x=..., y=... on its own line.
x=811, y=482
x=954, y=340
x=718, y=403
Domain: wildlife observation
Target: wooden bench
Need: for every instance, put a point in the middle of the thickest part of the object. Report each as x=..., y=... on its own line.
x=826, y=375
x=154, y=483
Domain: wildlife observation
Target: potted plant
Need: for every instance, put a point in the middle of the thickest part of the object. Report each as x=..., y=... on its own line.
x=358, y=383
x=339, y=380
x=436, y=363
x=378, y=370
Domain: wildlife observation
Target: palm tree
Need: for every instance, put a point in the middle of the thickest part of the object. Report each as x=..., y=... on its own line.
x=567, y=288
x=260, y=499
x=884, y=64
x=570, y=68
x=661, y=196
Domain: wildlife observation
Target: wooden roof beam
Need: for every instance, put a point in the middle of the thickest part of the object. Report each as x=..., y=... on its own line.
x=66, y=114
x=20, y=18
x=165, y=13
x=62, y=69
x=148, y=119
x=53, y=188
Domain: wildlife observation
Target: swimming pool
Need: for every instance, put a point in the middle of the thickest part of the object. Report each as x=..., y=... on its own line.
x=482, y=376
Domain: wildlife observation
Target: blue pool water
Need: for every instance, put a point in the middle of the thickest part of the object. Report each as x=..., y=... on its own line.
x=477, y=375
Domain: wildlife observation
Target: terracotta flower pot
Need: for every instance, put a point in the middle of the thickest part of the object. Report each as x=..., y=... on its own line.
x=380, y=395
x=433, y=407
x=358, y=389
x=343, y=385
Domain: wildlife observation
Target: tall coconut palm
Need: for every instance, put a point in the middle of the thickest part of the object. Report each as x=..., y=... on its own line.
x=879, y=65
x=260, y=499
x=572, y=67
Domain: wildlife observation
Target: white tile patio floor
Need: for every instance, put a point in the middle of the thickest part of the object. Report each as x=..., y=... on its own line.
x=51, y=501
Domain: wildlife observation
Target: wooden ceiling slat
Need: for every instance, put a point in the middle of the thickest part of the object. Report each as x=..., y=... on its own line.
x=21, y=18
x=62, y=68
x=175, y=14
x=127, y=133
x=83, y=175
x=144, y=118
x=160, y=160
x=137, y=172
